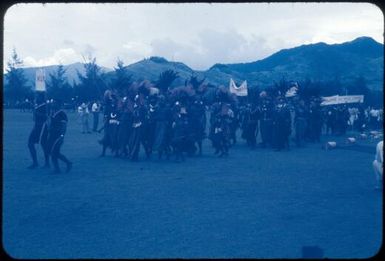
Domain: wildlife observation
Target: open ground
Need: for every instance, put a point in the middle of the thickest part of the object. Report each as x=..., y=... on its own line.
x=252, y=204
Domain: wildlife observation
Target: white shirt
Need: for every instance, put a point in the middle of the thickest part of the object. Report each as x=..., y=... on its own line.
x=374, y=113
x=83, y=110
x=95, y=107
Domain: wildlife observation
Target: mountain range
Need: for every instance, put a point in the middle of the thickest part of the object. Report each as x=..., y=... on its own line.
x=360, y=57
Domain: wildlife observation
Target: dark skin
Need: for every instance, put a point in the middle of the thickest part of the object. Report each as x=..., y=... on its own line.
x=39, y=116
x=56, y=137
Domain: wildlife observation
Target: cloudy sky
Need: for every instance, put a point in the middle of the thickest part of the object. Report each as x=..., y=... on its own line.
x=199, y=35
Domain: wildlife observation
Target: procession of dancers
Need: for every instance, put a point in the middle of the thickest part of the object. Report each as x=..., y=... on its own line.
x=174, y=124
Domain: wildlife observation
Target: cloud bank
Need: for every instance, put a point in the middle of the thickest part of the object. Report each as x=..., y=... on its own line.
x=199, y=35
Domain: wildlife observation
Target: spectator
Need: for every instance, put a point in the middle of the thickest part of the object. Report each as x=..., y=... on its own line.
x=95, y=112
x=84, y=113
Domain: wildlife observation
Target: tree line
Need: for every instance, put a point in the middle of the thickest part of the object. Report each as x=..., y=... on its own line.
x=92, y=84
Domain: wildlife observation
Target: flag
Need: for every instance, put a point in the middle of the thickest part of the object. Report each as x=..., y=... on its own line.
x=291, y=92
x=154, y=91
x=239, y=91
x=40, y=80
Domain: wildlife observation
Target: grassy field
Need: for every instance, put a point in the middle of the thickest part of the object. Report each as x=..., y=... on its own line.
x=253, y=204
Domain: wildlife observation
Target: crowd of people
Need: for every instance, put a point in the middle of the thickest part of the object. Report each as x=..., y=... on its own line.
x=164, y=124
x=174, y=123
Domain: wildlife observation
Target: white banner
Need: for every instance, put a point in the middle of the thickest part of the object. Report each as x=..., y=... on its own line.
x=40, y=80
x=239, y=91
x=336, y=99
